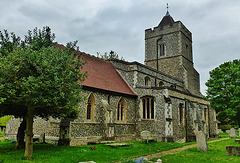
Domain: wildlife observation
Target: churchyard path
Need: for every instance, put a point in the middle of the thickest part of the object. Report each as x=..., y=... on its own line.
x=172, y=151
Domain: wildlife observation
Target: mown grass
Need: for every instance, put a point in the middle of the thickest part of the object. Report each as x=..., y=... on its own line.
x=50, y=153
x=217, y=153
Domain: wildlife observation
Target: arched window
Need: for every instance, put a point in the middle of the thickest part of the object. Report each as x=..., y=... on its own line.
x=161, y=84
x=147, y=81
x=121, y=110
x=181, y=113
x=205, y=114
x=147, y=108
x=90, y=107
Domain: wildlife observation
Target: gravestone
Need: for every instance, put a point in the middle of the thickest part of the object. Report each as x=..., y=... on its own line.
x=42, y=138
x=201, y=141
x=228, y=131
x=159, y=161
x=232, y=150
x=237, y=141
x=219, y=131
x=232, y=133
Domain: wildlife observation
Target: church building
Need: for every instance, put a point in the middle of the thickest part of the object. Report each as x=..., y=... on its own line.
x=121, y=99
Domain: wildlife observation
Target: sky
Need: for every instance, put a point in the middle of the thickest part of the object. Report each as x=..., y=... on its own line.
x=119, y=25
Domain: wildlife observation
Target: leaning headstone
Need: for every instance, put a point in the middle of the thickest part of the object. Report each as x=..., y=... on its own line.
x=232, y=133
x=201, y=141
x=42, y=138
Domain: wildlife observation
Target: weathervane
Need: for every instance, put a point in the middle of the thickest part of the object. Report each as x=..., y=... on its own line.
x=167, y=14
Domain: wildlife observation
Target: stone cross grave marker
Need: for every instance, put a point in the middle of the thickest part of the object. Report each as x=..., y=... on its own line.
x=232, y=133
x=201, y=141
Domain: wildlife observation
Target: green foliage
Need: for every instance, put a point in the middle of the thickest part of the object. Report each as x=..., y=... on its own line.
x=111, y=55
x=4, y=120
x=45, y=79
x=34, y=73
x=224, y=91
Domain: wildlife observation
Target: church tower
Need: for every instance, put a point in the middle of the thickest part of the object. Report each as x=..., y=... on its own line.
x=168, y=49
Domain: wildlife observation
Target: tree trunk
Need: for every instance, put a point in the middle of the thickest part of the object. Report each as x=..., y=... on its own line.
x=29, y=134
x=20, y=135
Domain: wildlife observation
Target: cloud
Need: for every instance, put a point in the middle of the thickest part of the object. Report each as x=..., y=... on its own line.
x=101, y=26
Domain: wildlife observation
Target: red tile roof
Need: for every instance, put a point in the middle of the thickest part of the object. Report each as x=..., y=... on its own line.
x=102, y=75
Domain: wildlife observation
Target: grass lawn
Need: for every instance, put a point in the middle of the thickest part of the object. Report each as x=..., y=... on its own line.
x=217, y=153
x=50, y=153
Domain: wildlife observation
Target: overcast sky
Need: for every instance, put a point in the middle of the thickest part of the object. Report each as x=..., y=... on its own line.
x=119, y=25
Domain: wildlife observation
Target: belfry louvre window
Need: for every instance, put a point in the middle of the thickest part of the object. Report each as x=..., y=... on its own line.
x=148, y=108
x=121, y=110
x=161, y=50
x=147, y=81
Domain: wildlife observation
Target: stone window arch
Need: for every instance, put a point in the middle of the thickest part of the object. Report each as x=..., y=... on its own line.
x=147, y=81
x=181, y=113
x=121, y=110
x=90, y=107
x=148, y=107
x=161, y=84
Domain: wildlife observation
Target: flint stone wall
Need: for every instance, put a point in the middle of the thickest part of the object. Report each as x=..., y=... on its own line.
x=83, y=131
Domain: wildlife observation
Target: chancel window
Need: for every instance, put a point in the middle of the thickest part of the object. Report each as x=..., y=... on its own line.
x=90, y=107
x=161, y=50
x=148, y=108
x=121, y=110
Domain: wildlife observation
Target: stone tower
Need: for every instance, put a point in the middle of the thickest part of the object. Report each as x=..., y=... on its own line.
x=168, y=48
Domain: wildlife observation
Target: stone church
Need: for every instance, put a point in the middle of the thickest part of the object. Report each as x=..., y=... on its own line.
x=121, y=99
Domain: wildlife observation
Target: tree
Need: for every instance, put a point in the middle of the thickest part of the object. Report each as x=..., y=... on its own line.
x=36, y=40
x=111, y=55
x=42, y=81
x=224, y=91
